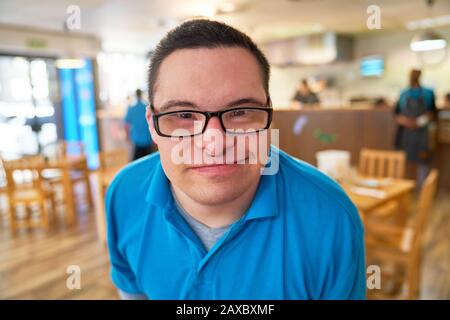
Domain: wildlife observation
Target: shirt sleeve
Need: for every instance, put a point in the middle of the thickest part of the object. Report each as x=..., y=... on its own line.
x=346, y=279
x=351, y=285
x=129, y=296
x=122, y=275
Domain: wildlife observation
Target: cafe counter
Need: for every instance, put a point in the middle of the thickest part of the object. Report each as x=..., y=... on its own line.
x=302, y=133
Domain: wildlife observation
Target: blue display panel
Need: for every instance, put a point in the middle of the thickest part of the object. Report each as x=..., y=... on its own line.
x=372, y=66
x=69, y=106
x=78, y=104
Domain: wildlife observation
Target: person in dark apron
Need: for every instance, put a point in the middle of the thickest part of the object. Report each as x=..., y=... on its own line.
x=415, y=110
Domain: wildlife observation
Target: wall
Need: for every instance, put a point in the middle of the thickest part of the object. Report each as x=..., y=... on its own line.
x=32, y=41
x=394, y=46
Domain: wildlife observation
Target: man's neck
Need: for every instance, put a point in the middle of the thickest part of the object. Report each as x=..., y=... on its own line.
x=216, y=215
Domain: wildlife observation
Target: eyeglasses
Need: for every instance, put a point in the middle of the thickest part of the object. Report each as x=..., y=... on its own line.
x=188, y=123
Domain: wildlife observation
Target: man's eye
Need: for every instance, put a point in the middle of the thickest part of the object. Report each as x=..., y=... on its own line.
x=238, y=113
x=185, y=115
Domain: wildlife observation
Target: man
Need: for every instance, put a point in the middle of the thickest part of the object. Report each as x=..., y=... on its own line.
x=447, y=101
x=304, y=97
x=137, y=128
x=415, y=110
x=209, y=230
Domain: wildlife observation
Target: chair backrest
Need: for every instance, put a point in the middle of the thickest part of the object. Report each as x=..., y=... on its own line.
x=424, y=205
x=24, y=172
x=382, y=163
x=65, y=148
x=114, y=159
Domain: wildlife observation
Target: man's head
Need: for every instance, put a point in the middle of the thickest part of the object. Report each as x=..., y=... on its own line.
x=139, y=94
x=303, y=86
x=205, y=65
x=414, y=77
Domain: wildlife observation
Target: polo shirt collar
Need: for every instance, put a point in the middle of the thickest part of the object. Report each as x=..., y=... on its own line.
x=159, y=193
x=265, y=202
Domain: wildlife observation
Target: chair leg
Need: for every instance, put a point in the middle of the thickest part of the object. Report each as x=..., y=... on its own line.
x=12, y=217
x=44, y=215
x=413, y=278
x=88, y=190
x=53, y=202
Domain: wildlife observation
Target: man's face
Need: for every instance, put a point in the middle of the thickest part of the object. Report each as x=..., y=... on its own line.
x=209, y=80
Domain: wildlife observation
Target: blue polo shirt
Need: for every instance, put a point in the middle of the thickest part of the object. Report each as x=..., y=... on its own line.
x=301, y=238
x=414, y=93
x=135, y=118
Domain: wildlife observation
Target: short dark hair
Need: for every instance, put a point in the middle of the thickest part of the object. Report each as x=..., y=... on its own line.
x=203, y=33
x=139, y=93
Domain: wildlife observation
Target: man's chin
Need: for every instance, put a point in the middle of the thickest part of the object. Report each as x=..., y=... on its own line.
x=217, y=190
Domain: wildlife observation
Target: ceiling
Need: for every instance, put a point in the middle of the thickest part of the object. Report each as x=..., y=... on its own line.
x=137, y=25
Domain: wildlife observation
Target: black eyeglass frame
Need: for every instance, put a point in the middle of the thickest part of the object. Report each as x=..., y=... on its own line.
x=209, y=115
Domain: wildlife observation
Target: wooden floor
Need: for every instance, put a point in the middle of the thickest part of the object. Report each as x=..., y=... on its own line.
x=33, y=264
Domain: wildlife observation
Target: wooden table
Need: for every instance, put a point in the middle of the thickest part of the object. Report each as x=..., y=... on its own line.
x=399, y=190
x=65, y=165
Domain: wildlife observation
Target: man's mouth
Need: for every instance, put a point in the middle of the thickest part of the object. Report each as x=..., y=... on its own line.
x=237, y=162
x=217, y=169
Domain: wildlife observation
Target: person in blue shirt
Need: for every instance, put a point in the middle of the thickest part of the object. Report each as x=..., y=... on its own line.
x=415, y=110
x=179, y=228
x=137, y=128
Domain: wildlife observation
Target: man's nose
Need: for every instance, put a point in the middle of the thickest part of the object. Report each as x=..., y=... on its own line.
x=214, y=124
x=213, y=140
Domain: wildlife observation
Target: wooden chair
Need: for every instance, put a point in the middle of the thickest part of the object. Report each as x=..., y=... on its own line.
x=401, y=246
x=65, y=148
x=382, y=163
x=110, y=163
x=113, y=159
x=77, y=175
x=25, y=187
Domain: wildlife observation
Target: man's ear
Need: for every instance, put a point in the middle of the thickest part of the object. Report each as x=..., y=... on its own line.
x=151, y=127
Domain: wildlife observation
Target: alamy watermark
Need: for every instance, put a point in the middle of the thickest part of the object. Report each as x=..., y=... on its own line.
x=73, y=281
x=240, y=147
x=374, y=19
x=73, y=19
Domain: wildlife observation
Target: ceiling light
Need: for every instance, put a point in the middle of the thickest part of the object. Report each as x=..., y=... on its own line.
x=70, y=63
x=427, y=41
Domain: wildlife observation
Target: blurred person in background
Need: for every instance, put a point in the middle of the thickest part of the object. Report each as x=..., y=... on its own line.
x=304, y=96
x=137, y=128
x=415, y=110
x=447, y=100
x=381, y=103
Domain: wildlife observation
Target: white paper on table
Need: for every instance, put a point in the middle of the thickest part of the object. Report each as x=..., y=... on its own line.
x=380, y=194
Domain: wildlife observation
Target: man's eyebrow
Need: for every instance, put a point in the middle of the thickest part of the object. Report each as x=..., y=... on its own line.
x=177, y=103
x=184, y=103
x=239, y=102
